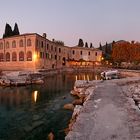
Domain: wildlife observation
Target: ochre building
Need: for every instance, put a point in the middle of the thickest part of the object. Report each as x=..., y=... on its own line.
x=33, y=51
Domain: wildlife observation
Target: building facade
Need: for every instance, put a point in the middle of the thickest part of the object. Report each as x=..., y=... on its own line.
x=33, y=51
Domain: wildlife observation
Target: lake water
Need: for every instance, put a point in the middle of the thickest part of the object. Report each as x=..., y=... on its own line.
x=32, y=112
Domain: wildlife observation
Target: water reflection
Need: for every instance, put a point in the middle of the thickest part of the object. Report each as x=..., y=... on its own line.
x=35, y=95
x=31, y=112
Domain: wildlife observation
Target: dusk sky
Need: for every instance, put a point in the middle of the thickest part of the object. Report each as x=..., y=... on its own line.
x=68, y=20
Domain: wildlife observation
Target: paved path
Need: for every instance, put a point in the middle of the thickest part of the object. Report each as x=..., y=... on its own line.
x=104, y=117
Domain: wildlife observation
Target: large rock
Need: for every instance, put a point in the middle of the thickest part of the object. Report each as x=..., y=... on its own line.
x=69, y=106
x=76, y=111
x=77, y=102
x=51, y=136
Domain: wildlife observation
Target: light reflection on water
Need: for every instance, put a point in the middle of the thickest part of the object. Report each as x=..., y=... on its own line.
x=35, y=95
x=31, y=112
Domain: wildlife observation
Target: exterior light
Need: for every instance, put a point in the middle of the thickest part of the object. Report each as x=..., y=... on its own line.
x=35, y=56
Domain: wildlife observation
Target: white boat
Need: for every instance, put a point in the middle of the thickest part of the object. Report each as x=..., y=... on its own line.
x=110, y=74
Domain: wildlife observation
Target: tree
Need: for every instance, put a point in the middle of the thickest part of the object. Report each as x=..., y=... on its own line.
x=91, y=46
x=86, y=45
x=100, y=47
x=16, y=30
x=8, y=31
x=80, y=43
x=59, y=42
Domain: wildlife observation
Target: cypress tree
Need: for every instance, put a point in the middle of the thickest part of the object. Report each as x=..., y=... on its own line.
x=86, y=45
x=91, y=46
x=80, y=43
x=8, y=31
x=16, y=30
x=100, y=47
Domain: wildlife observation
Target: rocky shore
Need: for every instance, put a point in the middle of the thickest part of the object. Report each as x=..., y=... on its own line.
x=109, y=110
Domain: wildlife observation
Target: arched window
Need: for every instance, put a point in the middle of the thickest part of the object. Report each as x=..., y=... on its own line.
x=29, y=56
x=7, y=56
x=1, y=45
x=29, y=42
x=1, y=57
x=21, y=56
x=7, y=45
x=14, y=56
x=21, y=43
x=14, y=44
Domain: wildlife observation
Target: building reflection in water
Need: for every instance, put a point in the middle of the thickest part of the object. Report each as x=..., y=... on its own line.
x=86, y=77
x=35, y=95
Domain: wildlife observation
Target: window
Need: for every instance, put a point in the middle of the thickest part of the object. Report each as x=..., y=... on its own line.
x=73, y=52
x=55, y=49
x=29, y=56
x=1, y=57
x=51, y=56
x=81, y=52
x=51, y=48
x=29, y=42
x=46, y=55
x=14, y=44
x=7, y=45
x=55, y=57
x=59, y=50
x=1, y=46
x=21, y=43
x=21, y=56
x=42, y=44
x=88, y=53
x=7, y=56
x=14, y=56
x=96, y=54
x=47, y=46
x=41, y=55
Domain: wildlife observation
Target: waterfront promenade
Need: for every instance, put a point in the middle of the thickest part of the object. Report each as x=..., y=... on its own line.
x=110, y=113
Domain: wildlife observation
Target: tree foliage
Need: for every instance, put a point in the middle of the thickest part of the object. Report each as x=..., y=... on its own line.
x=80, y=43
x=86, y=45
x=126, y=52
x=58, y=42
x=91, y=46
x=100, y=47
x=16, y=30
x=8, y=30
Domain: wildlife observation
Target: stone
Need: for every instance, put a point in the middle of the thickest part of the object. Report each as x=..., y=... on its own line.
x=77, y=102
x=51, y=136
x=69, y=106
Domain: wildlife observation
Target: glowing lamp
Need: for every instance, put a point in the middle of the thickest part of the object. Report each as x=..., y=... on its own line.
x=35, y=56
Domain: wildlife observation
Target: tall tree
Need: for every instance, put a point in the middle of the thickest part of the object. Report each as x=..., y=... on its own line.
x=91, y=46
x=16, y=30
x=86, y=45
x=80, y=43
x=100, y=47
x=8, y=31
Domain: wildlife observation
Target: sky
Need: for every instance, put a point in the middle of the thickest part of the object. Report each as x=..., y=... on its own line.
x=68, y=20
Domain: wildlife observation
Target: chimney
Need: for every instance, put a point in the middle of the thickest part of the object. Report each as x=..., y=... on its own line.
x=44, y=35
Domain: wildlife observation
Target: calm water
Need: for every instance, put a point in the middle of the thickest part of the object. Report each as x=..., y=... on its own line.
x=30, y=113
